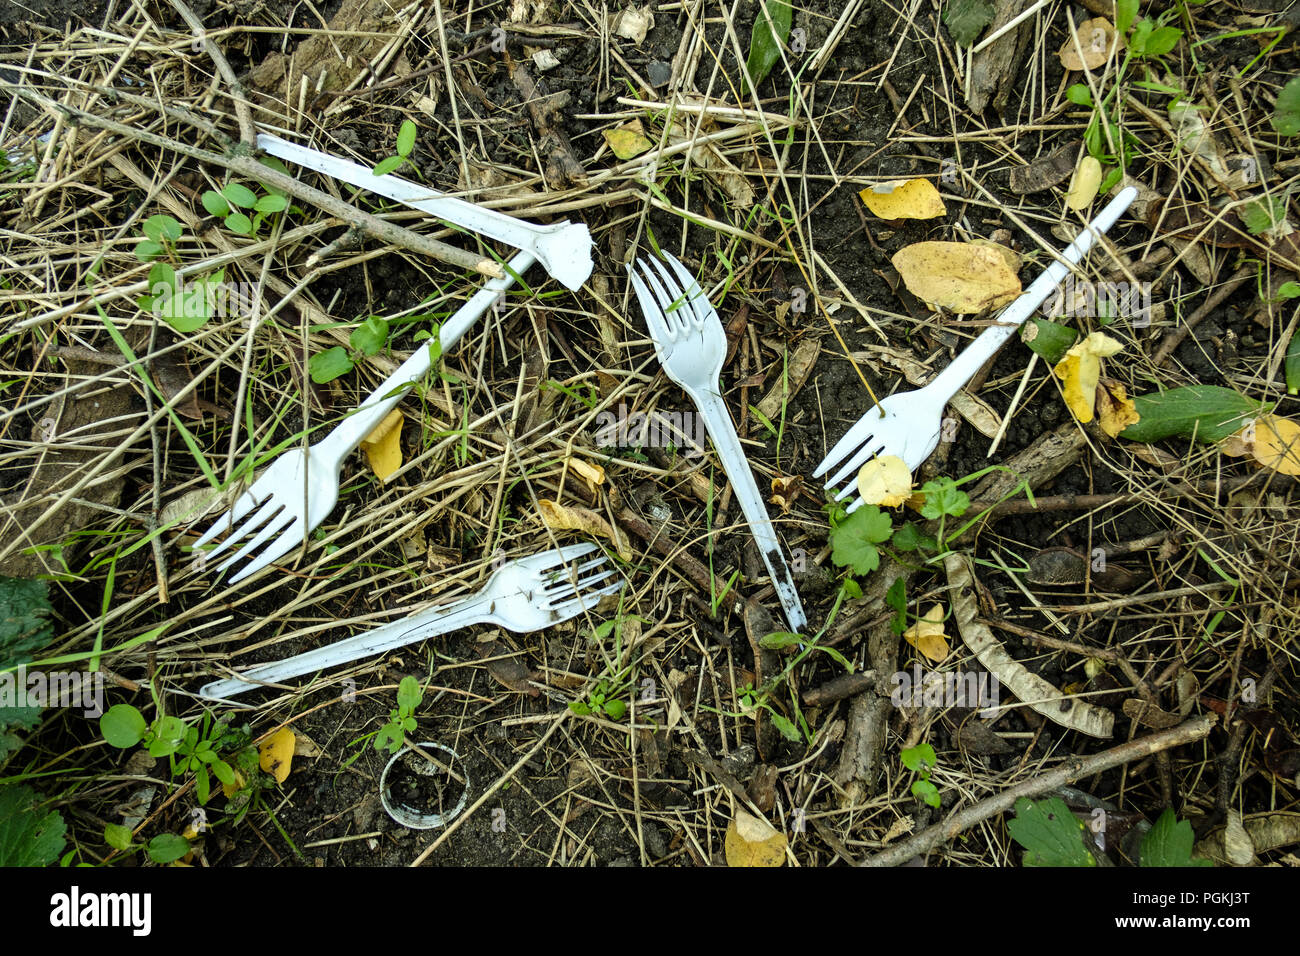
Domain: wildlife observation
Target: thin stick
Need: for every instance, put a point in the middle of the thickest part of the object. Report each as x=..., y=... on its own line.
x=1074, y=768
x=247, y=131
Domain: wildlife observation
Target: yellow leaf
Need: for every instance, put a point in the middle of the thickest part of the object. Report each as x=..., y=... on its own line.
x=904, y=199
x=383, y=446
x=927, y=636
x=1273, y=441
x=1115, y=410
x=275, y=754
x=1096, y=39
x=230, y=789
x=963, y=277
x=1083, y=184
x=785, y=489
x=1080, y=371
x=752, y=841
x=885, y=480
x=592, y=475
x=628, y=140
x=560, y=517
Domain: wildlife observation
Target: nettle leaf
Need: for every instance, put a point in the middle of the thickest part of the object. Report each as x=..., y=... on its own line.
x=854, y=539
x=1050, y=834
x=1169, y=843
x=28, y=837
x=966, y=19
x=766, y=41
x=329, y=365
x=1263, y=214
x=1210, y=412
x=406, y=138
x=24, y=620
x=1286, y=115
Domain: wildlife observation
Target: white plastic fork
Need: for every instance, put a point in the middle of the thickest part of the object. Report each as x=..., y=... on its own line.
x=907, y=424
x=526, y=594
x=300, y=488
x=563, y=249
x=691, y=346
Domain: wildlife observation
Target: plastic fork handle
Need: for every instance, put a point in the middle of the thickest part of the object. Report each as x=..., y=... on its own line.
x=487, y=222
x=386, y=637
x=717, y=421
x=965, y=365
x=343, y=439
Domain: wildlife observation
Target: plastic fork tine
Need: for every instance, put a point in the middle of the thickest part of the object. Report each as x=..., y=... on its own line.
x=654, y=319
x=575, y=574
x=585, y=601
x=263, y=514
x=289, y=538
x=272, y=528
x=688, y=281
x=669, y=305
x=568, y=590
x=553, y=559
x=869, y=450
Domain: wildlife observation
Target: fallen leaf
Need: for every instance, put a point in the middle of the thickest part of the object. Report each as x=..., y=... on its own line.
x=1271, y=440
x=904, y=199
x=1080, y=371
x=1083, y=184
x=628, y=140
x=560, y=517
x=1115, y=410
x=962, y=277
x=275, y=754
x=383, y=446
x=592, y=475
x=885, y=480
x=1096, y=38
x=752, y=841
x=927, y=636
x=785, y=489
x=633, y=24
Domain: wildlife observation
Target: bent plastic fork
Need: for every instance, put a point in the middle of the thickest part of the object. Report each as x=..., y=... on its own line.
x=907, y=424
x=691, y=346
x=526, y=594
x=301, y=488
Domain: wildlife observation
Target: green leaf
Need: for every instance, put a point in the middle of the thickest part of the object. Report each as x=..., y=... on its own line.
x=168, y=847
x=240, y=224
x=122, y=726
x=146, y=249
x=786, y=728
x=409, y=694
x=926, y=791
x=1263, y=214
x=1080, y=95
x=919, y=757
x=24, y=620
x=615, y=709
x=1125, y=11
x=12, y=719
x=854, y=540
x=405, y=138
x=386, y=166
x=168, y=735
x=162, y=229
x=966, y=19
x=579, y=708
x=117, y=836
x=214, y=203
x=851, y=589
x=780, y=640
x=1288, y=290
x=1050, y=340
x=1169, y=843
x=1286, y=115
x=1211, y=412
x=224, y=772
x=369, y=337
x=329, y=365
x=202, y=785
x=1049, y=833
x=896, y=597
x=27, y=836
x=943, y=497
x=1138, y=41
x=240, y=196
x=1162, y=40
x=766, y=41
x=271, y=204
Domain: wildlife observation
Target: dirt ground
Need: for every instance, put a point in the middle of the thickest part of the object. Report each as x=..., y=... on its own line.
x=516, y=399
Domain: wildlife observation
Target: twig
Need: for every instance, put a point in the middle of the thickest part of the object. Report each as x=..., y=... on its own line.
x=1174, y=337
x=1073, y=769
x=247, y=131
